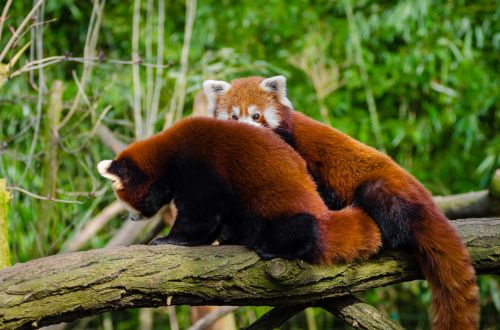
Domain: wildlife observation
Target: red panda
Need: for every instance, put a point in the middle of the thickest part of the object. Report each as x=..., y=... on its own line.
x=351, y=174
x=242, y=183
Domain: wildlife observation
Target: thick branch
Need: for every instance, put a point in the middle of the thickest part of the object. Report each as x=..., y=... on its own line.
x=348, y=308
x=68, y=286
x=358, y=314
x=479, y=204
x=468, y=205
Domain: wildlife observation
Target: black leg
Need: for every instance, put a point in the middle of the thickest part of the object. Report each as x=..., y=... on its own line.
x=393, y=214
x=202, y=201
x=289, y=238
x=191, y=231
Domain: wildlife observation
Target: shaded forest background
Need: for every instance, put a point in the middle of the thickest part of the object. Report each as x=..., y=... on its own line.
x=415, y=78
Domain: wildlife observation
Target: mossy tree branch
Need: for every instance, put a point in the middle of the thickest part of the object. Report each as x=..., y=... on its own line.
x=69, y=286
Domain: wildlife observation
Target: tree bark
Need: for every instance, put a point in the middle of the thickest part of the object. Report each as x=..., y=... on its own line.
x=358, y=314
x=69, y=286
x=469, y=205
x=474, y=204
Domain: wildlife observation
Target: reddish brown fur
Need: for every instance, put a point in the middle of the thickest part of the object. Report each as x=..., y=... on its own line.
x=246, y=92
x=447, y=266
x=271, y=186
x=354, y=236
x=343, y=164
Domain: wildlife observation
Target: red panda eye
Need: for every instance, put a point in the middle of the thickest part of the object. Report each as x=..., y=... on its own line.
x=255, y=116
x=234, y=117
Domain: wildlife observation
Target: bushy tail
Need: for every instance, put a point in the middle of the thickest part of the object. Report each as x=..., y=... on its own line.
x=446, y=265
x=348, y=234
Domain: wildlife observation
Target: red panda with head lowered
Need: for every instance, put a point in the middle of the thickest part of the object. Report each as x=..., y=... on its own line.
x=350, y=174
x=242, y=183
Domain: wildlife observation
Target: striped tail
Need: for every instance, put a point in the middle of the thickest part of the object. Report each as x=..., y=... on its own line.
x=446, y=265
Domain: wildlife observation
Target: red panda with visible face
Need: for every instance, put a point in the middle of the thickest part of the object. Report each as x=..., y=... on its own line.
x=354, y=175
x=242, y=183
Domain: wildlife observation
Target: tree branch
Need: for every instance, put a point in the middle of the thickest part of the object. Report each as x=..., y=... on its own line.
x=69, y=286
x=109, y=139
x=276, y=317
x=466, y=205
x=482, y=203
x=358, y=314
x=91, y=228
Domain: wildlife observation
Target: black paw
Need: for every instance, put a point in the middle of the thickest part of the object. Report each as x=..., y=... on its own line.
x=266, y=255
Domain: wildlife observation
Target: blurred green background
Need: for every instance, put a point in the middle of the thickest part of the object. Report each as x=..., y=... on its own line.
x=416, y=78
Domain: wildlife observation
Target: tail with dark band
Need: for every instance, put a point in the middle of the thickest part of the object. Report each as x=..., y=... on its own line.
x=446, y=265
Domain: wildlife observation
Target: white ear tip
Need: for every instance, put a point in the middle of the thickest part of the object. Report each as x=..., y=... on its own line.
x=207, y=84
x=274, y=84
x=217, y=87
x=279, y=78
x=103, y=166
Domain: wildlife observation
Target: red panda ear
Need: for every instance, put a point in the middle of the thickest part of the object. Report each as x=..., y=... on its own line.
x=213, y=89
x=103, y=169
x=277, y=85
x=123, y=172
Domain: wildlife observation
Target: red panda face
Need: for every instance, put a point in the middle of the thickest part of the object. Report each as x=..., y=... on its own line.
x=254, y=100
x=140, y=195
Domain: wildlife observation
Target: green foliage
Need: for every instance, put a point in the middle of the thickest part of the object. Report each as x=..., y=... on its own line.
x=432, y=67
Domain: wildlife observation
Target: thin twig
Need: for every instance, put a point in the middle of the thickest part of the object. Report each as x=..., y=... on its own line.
x=177, y=102
x=39, y=104
x=17, y=32
x=109, y=139
x=370, y=99
x=88, y=51
x=80, y=89
x=99, y=120
x=45, y=198
x=321, y=70
x=155, y=104
x=39, y=45
x=149, y=51
x=34, y=65
x=92, y=226
x=136, y=77
x=3, y=18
